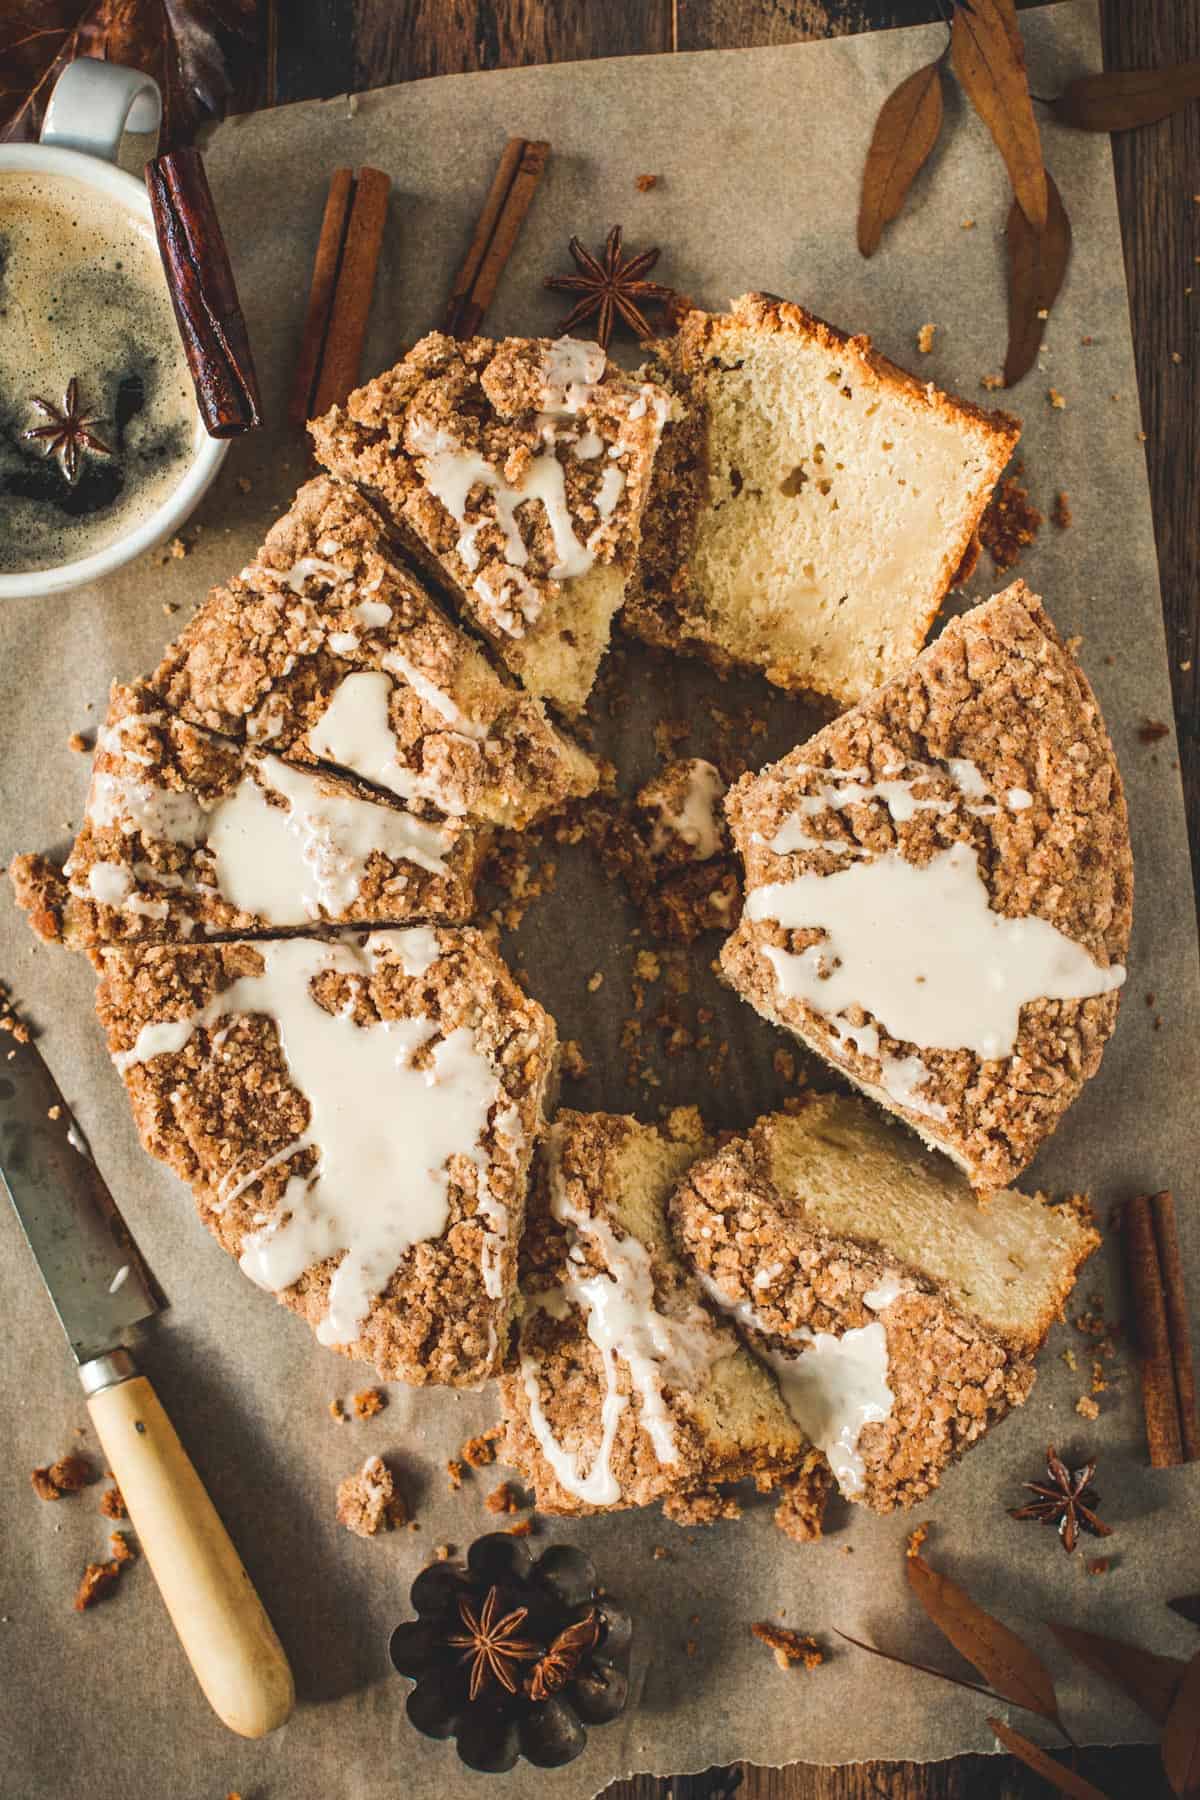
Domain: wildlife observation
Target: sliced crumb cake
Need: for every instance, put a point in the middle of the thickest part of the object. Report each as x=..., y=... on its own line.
x=190, y=834
x=939, y=889
x=355, y=1117
x=517, y=472
x=812, y=503
x=900, y=1318
x=324, y=649
x=625, y=1387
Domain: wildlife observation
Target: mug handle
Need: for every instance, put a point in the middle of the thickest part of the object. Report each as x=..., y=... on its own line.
x=94, y=103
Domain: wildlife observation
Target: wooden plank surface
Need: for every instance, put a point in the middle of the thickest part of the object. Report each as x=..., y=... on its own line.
x=322, y=47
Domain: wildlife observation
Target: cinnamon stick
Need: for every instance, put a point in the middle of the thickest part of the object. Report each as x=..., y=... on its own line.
x=509, y=197
x=1159, y=1397
x=1170, y=1262
x=204, y=294
x=320, y=298
x=342, y=351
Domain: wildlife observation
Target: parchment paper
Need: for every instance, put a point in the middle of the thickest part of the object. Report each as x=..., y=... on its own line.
x=758, y=155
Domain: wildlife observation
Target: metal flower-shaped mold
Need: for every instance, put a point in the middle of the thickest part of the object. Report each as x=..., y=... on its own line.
x=491, y=1724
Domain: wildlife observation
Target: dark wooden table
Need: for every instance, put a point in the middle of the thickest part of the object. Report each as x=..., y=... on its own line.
x=322, y=47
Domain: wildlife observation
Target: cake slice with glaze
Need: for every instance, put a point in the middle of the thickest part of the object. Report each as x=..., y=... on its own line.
x=190, y=834
x=939, y=889
x=356, y=1118
x=900, y=1318
x=811, y=503
x=325, y=649
x=516, y=472
x=625, y=1388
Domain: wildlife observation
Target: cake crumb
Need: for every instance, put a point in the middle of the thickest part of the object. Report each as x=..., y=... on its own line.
x=112, y=1504
x=520, y=1528
x=925, y=339
x=369, y=1402
x=54, y=1112
x=122, y=1550
x=454, y=1474
x=505, y=1499
x=98, y=1580
x=78, y=742
x=595, y=981
x=1009, y=524
x=1150, y=730
x=789, y=1647
x=177, y=549
x=1098, y=1565
x=442, y=1552
x=1058, y=401
x=337, y=1411
x=643, y=183
x=1086, y=1407
x=992, y=382
x=367, y=1502
x=244, y=485
x=66, y=1476
x=660, y=1553
x=1060, y=512
x=916, y=1538
x=574, y=1063
x=966, y=224
x=479, y=1451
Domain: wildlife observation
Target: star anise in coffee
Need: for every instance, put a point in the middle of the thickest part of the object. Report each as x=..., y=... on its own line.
x=612, y=287
x=1066, y=1499
x=490, y=1645
x=68, y=435
x=564, y=1656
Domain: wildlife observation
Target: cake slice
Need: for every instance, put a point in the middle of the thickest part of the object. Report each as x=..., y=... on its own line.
x=625, y=1388
x=517, y=472
x=900, y=1318
x=811, y=503
x=939, y=889
x=187, y=833
x=355, y=1118
x=325, y=649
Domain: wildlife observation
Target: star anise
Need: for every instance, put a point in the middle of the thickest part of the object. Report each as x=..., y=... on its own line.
x=610, y=287
x=1067, y=1500
x=564, y=1656
x=67, y=434
x=490, y=1644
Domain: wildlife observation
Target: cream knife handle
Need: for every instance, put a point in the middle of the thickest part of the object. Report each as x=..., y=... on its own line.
x=222, y=1624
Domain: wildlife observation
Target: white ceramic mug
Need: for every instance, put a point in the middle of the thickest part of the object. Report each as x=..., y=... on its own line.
x=93, y=104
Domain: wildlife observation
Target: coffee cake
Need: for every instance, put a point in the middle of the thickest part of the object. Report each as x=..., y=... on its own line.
x=900, y=1317
x=939, y=889
x=517, y=473
x=355, y=1118
x=187, y=833
x=325, y=650
x=625, y=1387
x=811, y=502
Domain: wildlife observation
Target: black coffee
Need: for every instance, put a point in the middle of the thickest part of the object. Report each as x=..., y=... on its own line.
x=97, y=416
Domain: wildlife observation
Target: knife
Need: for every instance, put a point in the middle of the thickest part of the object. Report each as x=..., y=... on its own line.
x=100, y=1286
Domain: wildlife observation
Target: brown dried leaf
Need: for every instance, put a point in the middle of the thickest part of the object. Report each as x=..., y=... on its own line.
x=1037, y=265
x=184, y=44
x=1149, y=1680
x=1187, y=1606
x=1065, y=1780
x=1013, y=1669
x=905, y=132
x=1181, y=1739
x=1121, y=99
x=989, y=60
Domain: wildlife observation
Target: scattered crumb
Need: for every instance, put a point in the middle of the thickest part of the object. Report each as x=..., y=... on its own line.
x=337, y=1411
x=479, y=1451
x=54, y=1112
x=244, y=485
x=1097, y=1565
x=660, y=1553
x=505, y=1499
x=1175, y=356
x=78, y=742
x=916, y=1539
x=169, y=607
x=574, y=1063
x=112, y=1504
x=966, y=224
x=369, y=1402
x=368, y=1503
x=1086, y=1407
x=66, y=1476
x=442, y=1552
x=643, y=183
x=454, y=1472
x=789, y=1646
x=1141, y=437
x=98, y=1580
x=1150, y=730
x=595, y=981
x=122, y=1550
x=1057, y=400
x=176, y=549
x=1010, y=523
x=1060, y=512
x=691, y=1647
x=992, y=382
x=1069, y=1358
x=925, y=339
x=520, y=1528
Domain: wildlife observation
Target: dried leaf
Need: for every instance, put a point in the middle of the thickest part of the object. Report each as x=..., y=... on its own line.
x=1037, y=264
x=1121, y=99
x=1013, y=1669
x=184, y=44
x=1150, y=1680
x=1181, y=1739
x=1187, y=1606
x=988, y=58
x=1065, y=1780
x=905, y=132
x=905, y=1662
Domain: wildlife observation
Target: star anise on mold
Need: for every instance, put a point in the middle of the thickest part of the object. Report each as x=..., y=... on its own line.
x=564, y=1656
x=610, y=287
x=1066, y=1499
x=491, y=1645
x=67, y=434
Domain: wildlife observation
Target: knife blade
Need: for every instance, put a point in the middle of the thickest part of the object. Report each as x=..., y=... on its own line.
x=96, y=1277
x=99, y=1286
